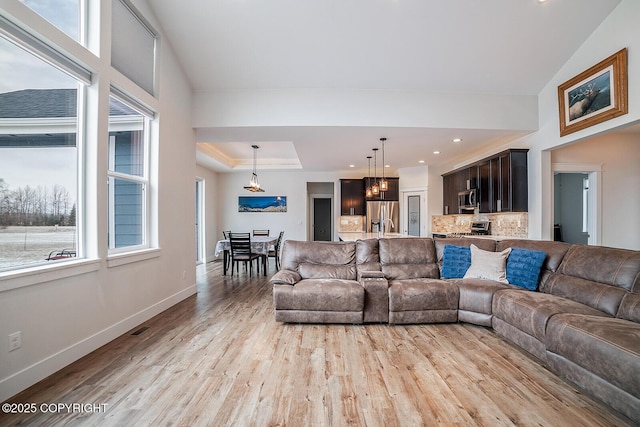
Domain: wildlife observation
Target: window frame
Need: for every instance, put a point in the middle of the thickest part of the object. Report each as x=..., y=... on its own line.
x=142, y=179
x=42, y=50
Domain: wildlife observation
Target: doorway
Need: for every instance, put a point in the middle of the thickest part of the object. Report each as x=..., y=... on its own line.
x=199, y=219
x=414, y=219
x=322, y=219
x=576, y=203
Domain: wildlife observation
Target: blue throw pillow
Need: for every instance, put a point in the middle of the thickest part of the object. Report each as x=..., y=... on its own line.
x=523, y=267
x=456, y=260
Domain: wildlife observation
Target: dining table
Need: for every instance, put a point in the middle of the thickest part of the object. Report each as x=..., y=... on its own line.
x=259, y=245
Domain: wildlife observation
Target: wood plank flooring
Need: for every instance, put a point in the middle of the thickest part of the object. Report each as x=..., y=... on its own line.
x=220, y=359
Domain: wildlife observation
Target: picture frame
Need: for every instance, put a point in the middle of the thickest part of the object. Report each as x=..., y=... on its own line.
x=595, y=95
x=262, y=203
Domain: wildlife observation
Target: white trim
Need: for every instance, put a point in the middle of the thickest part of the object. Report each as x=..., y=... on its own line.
x=32, y=374
x=43, y=50
x=131, y=256
x=132, y=102
x=576, y=167
x=594, y=206
x=43, y=273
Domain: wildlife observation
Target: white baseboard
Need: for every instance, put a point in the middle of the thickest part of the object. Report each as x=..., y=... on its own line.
x=30, y=375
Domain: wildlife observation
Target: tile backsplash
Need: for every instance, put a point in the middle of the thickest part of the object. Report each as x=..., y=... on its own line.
x=352, y=223
x=508, y=224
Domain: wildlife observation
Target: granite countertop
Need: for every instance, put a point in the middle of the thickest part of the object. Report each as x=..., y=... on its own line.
x=351, y=236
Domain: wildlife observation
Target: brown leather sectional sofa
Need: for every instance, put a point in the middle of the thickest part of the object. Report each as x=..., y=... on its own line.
x=583, y=322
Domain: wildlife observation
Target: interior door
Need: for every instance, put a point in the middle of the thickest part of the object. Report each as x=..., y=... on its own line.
x=413, y=213
x=322, y=219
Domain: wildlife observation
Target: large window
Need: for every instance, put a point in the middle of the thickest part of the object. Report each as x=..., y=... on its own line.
x=64, y=14
x=39, y=107
x=128, y=177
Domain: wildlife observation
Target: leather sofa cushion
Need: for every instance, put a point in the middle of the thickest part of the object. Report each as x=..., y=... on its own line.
x=602, y=297
x=611, y=266
x=630, y=308
x=484, y=244
x=320, y=295
x=555, y=250
x=422, y=294
x=530, y=311
x=367, y=255
x=407, y=251
x=606, y=347
x=327, y=271
x=411, y=271
x=408, y=258
x=296, y=252
x=476, y=295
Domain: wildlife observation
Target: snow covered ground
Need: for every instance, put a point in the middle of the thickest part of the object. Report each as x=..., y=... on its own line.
x=24, y=246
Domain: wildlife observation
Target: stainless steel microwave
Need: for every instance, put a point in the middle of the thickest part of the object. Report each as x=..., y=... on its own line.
x=467, y=200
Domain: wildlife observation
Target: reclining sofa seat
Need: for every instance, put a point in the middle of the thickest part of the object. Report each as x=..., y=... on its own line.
x=318, y=283
x=416, y=293
x=584, y=323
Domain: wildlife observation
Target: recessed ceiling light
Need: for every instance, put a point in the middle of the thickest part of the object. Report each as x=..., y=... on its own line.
x=387, y=166
x=436, y=152
x=352, y=166
x=457, y=139
x=420, y=161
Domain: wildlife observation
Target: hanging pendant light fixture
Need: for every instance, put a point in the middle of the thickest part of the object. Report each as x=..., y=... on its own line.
x=254, y=185
x=369, y=193
x=384, y=185
x=375, y=189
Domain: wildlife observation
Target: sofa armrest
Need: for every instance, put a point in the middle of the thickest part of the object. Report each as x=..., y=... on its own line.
x=286, y=277
x=370, y=274
x=376, y=298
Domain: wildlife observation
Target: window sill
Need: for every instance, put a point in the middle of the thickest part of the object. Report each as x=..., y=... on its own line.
x=131, y=257
x=46, y=273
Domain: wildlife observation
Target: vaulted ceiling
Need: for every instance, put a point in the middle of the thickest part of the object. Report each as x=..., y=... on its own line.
x=501, y=48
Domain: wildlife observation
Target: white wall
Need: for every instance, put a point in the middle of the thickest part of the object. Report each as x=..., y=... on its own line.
x=64, y=318
x=292, y=184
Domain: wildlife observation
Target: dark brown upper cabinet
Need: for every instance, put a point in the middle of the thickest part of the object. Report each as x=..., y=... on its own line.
x=500, y=182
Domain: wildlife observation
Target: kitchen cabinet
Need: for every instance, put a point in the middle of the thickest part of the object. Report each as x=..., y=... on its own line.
x=500, y=182
x=449, y=195
x=352, y=197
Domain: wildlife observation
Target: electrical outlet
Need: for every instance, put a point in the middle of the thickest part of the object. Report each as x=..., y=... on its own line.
x=15, y=341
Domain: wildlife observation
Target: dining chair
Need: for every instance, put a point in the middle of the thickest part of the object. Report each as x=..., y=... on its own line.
x=226, y=233
x=260, y=232
x=275, y=251
x=241, y=252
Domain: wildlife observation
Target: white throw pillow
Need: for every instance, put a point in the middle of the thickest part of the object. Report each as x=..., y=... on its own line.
x=488, y=265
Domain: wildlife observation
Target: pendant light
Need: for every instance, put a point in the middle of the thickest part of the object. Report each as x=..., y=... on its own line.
x=375, y=189
x=384, y=185
x=254, y=185
x=369, y=193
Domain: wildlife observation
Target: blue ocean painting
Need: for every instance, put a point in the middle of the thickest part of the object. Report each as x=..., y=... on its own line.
x=262, y=204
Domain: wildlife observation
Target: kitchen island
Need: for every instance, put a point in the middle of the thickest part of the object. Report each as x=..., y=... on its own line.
x=352, y=236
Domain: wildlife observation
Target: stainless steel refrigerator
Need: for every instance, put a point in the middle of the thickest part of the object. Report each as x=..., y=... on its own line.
x=382, y=216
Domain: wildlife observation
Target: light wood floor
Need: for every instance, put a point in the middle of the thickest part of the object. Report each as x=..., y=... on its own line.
x=220, y=359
